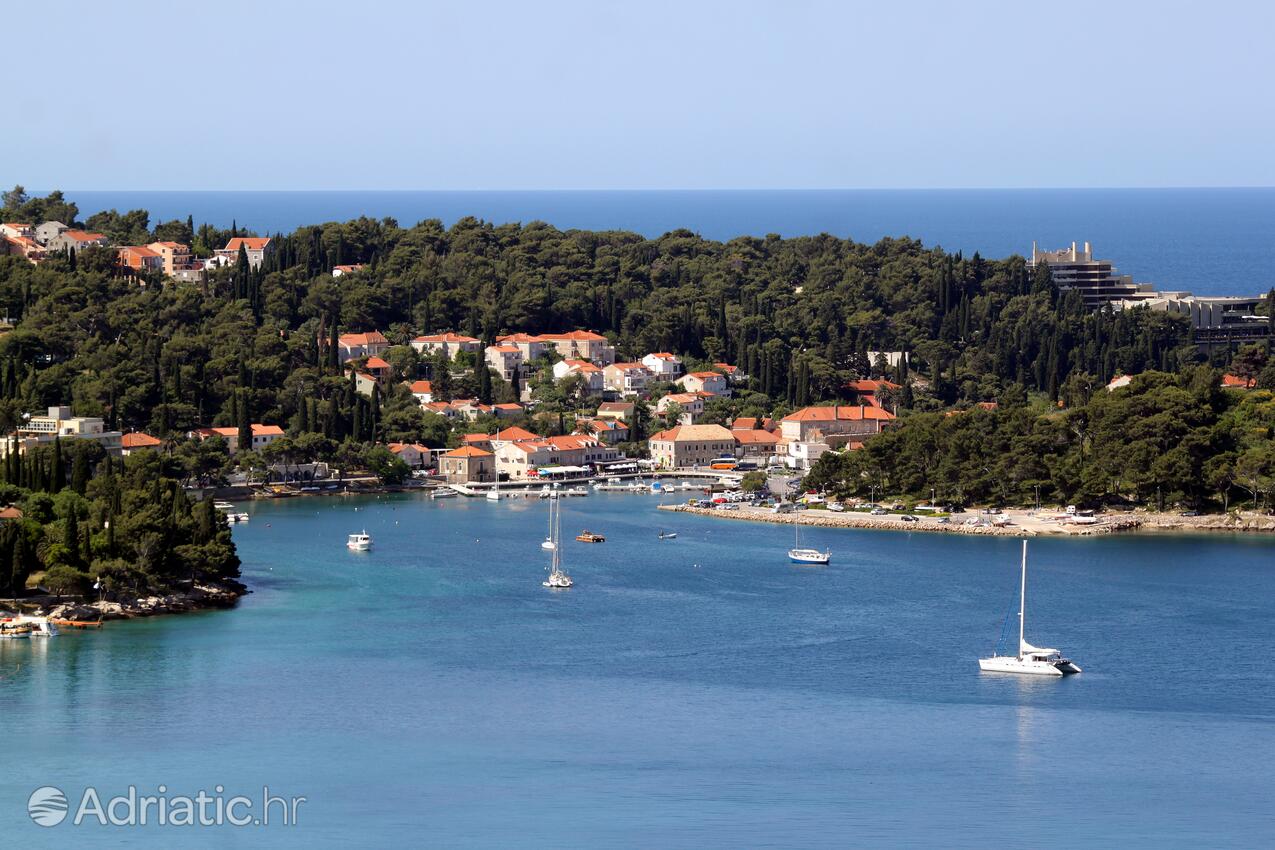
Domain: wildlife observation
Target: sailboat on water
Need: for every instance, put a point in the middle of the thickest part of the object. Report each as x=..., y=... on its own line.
x=1032, y=660
x=663, y=533
x=558, y=580
x=798, y=555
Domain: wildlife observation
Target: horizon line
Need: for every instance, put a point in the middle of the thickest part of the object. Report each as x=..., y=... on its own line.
x=700, y=189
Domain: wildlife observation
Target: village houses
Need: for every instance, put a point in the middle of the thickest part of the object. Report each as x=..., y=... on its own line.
x=591, y=374
x=713, y=383
x=256, y=247
x=449, y=343
x=627, y=379
x=691, y=404
x=56, y=423
x=664, y=366
x=467, y=464
x=262, y=436
x=504, y=360
x=690, y=445
x=355, y=346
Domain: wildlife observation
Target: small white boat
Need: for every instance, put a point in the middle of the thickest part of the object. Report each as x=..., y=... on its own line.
x=443, y=493
x=799, y=555
x=223, y=506
x=668, y=535
x=1030, y=660
x=360, y=542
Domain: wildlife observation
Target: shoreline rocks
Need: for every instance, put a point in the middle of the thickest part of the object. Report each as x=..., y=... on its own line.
x=202, y=597
x=1022, y=525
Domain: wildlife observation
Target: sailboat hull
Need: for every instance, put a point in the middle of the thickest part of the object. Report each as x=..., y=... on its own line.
x=1026, y=666
x=809, y=556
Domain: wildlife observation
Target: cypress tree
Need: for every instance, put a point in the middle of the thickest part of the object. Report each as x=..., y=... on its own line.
x=59, y=472
x=71, y=535
x=484, y=383
x=87, y=551
x=357, y=429
x=80, y=472
x=334, y=361
x=375, y=416
x=245, y=424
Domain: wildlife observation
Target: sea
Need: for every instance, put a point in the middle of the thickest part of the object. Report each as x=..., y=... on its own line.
x=1207, y=241
x=698, y=692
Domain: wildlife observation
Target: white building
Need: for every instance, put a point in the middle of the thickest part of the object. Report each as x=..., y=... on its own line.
x=504, y=359
x=449, y=343
x=663, y=365
x=58, y=422
x=592, y=374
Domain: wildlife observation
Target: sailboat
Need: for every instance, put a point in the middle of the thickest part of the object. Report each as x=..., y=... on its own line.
x=548, y=542
x=799, y=555
x=558, y=580
x=1032, y=660
x=664, y=535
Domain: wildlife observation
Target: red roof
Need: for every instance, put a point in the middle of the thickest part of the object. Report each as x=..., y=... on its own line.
x=375, y=362
x=578, y=336
x=838, y=413
x=250, y=243
x=503, y=349
x=447, y=337
x=870, y=386
x=467, y=451
x=421, y=387
x=83, y=236
x=1236, y=382
x=755, y=437
x=369, y=338
x=704, y=375
x=516, y=434
x=259, y=430
x=138, y=441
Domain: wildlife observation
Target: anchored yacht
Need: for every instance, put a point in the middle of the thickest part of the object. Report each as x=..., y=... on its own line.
x=1031, y=660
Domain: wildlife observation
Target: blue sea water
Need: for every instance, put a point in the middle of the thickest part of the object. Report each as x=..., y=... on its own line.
x=1209, y=241
x=700, y=692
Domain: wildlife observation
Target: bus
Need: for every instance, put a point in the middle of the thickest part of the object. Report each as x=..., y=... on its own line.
x=723, y=463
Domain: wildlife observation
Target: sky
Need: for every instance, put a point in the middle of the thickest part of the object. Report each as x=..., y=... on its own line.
x=384, y=94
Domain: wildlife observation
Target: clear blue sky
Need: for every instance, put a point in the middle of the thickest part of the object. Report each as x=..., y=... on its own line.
x=513, y=95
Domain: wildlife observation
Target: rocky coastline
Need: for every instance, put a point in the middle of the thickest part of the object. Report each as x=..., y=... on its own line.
x=1020, y=523
x=204, y=596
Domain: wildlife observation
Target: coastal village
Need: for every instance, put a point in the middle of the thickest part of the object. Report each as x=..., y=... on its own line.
x=615, y=413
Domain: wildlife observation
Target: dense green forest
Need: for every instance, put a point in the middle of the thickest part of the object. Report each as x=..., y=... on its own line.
x=88, y=519
x=1162, y=440
x=798, y=316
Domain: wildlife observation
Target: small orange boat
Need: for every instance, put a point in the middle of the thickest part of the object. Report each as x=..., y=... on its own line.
x=590, y=537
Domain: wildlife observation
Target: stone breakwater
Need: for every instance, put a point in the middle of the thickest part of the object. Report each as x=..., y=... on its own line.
x=1021, y=523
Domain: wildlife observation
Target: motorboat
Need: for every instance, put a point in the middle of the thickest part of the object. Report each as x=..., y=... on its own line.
x=799, y=555
x=40, y=626
x=668, y=535
x=1030, y=660
x=587, y=536
x=443, y=493
x=360, y=542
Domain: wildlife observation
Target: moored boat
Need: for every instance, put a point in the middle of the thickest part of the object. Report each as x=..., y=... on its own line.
x=360, y=542
x=1030, y=660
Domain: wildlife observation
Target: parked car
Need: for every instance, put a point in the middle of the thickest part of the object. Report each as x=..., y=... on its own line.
x=878, y=511
x=836, y=507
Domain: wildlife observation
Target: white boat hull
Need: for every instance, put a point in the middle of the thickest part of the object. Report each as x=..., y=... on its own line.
x=1026, y=666
x=809, y=556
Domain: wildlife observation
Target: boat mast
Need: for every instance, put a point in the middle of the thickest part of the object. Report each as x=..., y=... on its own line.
x=1022, y=602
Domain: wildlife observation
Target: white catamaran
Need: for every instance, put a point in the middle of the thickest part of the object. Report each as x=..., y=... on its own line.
x=1032, y=660
x=799, y=555
x=558, y=580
